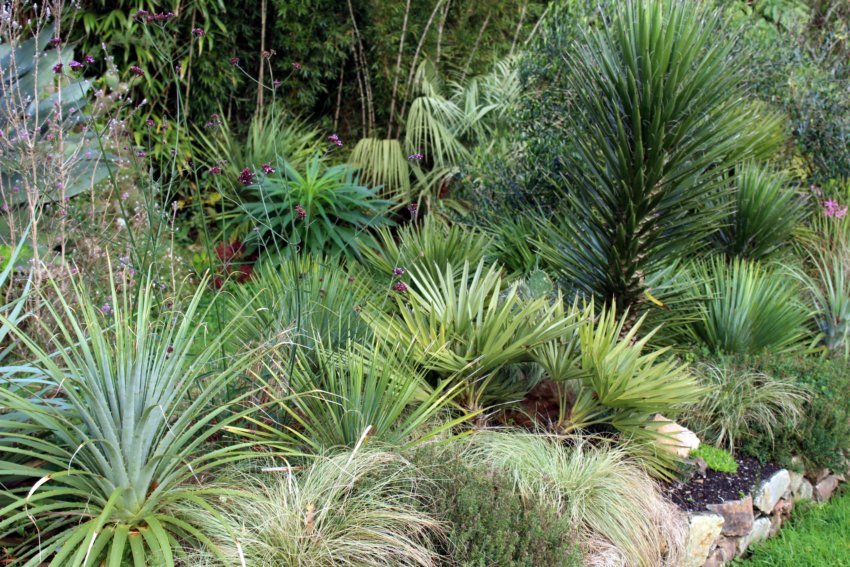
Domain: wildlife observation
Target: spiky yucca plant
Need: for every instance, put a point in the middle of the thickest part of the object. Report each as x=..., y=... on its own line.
x=140, y=378
x=467, y=328
x=765, y=212
x=657, y=122
x=742, y=307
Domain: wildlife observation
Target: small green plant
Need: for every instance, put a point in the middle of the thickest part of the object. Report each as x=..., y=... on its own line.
x=764, y=212
x=821, y=435
x=742, y=308
x=715, y=458
x=466, y=326
x=489, y=523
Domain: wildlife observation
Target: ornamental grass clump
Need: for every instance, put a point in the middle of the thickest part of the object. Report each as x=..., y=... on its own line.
x=142, y=386
x=355, y=508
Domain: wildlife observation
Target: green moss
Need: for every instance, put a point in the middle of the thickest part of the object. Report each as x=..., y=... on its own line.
x=717, y=459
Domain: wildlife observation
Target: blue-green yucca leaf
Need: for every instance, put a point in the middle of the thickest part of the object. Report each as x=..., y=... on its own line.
x=144, y=383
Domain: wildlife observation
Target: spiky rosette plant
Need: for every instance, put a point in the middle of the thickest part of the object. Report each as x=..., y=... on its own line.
x=657, y=122
x=143, y=382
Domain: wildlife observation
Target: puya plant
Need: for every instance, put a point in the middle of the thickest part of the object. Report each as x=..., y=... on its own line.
x=143, y=385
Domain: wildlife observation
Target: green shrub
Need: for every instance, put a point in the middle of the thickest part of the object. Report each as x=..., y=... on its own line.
x=488, y=523
x=822, y=434
x=715, y=458
x=603, y=494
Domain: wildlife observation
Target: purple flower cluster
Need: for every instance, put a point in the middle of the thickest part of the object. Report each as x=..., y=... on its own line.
x=57, y=68
x=234, y=61
x=833, y=209
x=415, y=157
x=412, y=208
x=246, y=177
x=268, y=169
x=399, y=287
x=198, y=32
x=296, y=65
x=136, y=70
x=398, y=272
x=88, y=60
x=299, y=210
x=148, y=18
x=75, y=66
x=335, y=139
x=215, y=170
x=214, y=121
x=54, y=41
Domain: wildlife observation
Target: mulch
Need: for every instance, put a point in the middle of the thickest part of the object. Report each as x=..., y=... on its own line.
x=714, y=487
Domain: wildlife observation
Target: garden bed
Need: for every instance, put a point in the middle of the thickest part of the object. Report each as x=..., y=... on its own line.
x=713, y=487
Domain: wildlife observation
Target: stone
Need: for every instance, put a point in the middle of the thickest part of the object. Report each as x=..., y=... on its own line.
x=783, y=508
x=728, y=547
x=715, y=559
x=805, y=492
x=775, y=524
x=675, y=437
x=824, y=489
x=759, y=533
x=771, y=490
x=796, y=481
x=703, y=532
x=818, y=476
x=737, y=514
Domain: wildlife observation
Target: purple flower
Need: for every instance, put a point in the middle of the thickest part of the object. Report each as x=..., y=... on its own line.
x=141, y=154
x=106, y=308
x=275, y=84
x=88, y=60
x=412, y=208
x=246, y=177
x=267, y=169
x=75, y=66
x=55, y=40
x=136, y=70
x=398, y=272
x=415, y=157
x=296, y=65
x=335, y=139
x=399, y=287
x=198, y=32
x=215, y=170
x=124, y=196
x=57, y=68
x=149, y=122
x=834, y=209
x=299, y=210
x=234, y=61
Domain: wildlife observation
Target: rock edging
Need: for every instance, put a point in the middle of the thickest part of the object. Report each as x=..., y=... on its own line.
x=726, y=529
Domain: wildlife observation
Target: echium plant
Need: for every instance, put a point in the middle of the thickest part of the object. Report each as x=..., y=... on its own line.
x=657, y=121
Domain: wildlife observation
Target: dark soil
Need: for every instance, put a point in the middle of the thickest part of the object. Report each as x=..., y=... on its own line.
x=694, y=494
